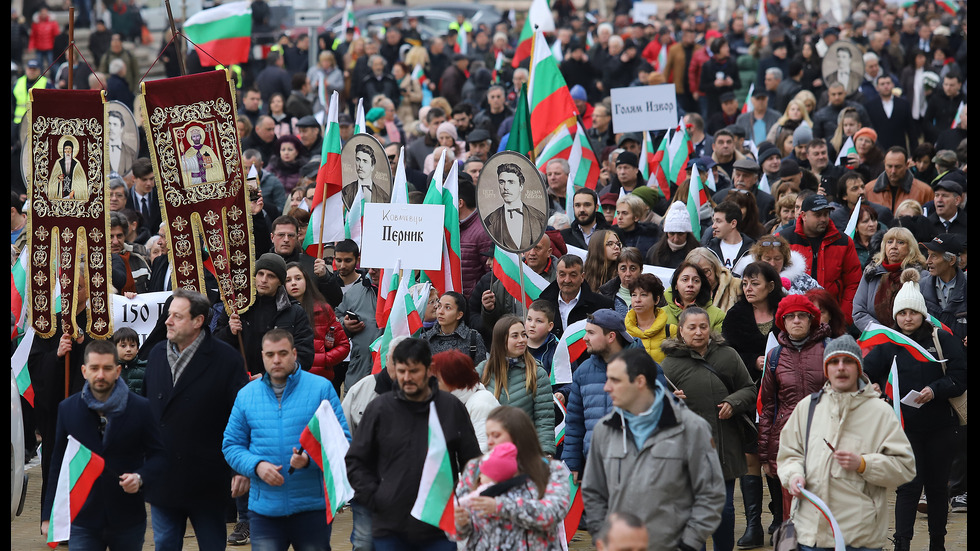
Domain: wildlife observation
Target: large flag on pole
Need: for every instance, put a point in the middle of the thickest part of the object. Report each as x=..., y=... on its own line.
x=452, y=264
x=679, y=151
x=434, y=502
x=354, y=219
x=523, y=49
x=224, y=32
x=434, y=197
x=549, y=99
x=325, y=442
x=696, y=197
x=404, y=320
x=559, y=147
x=80, y=468
x=520, y=130
x=327, y=215
x=582, y=160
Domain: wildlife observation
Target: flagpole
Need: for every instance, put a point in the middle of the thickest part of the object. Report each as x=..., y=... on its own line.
x=520, y=270
x=71, y=46
x=173, y=30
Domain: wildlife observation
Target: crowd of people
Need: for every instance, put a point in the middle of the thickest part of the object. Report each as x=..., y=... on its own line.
x=839, y=206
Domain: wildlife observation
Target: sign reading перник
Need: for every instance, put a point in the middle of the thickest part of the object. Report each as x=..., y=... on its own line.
x=413, y=233
x=639, y=108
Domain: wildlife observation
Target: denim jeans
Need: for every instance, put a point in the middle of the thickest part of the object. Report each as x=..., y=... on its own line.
x=395, y=543
x=360, y=535
x=117, y=539
x=724, y=537
x=847, y=547
x=241, y=503
x=170, y=524
x=307, y=531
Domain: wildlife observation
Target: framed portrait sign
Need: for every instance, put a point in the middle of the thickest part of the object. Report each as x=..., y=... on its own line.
x=844, y=63
x=512, y=201
x=365, y=169
x=124, y=140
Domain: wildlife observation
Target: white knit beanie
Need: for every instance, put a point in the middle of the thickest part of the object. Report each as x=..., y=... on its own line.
x=909, y=296
x=677, y=219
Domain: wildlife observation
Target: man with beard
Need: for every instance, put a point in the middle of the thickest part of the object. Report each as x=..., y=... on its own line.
x=585, y=222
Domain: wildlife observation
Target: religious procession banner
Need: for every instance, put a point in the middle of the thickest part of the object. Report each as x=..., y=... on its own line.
x=68, y=223
x=191, y=129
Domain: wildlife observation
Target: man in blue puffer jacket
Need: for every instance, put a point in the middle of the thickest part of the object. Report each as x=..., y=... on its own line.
x=286, y=502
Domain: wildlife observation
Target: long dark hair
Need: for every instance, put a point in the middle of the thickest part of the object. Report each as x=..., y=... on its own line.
x=519, y=427
x=704, y=294
x=660, y=252
x=770, y=275
x=822, y=298
x=312, y=297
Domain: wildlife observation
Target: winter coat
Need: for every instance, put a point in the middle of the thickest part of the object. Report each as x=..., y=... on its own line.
x=742, y=333
x=473, y=240
x=587, y=404
x=867, y=294
x=538, y=407
x=573, y=235
x=795, y=274
x=43, y=33
x=673, y=482
x=330, y=343
x=915, y=375
x=133, y=373
x=676, y=67
x=372, y=86
x=707, y=81
x=643, y=236
x=466, y=340
x=715, y=315
x=277, y=312
x=387, y=456
x=837, y=269
x=588, y=302
x=880, y=191
x=728, y=292
x=655, y=335
x=361, y=298
x=857, y=422
x=705, y=391
x=798, y=373
x=522, y=521
x=263, y=427
x=479, y=403
x=714, y=244
x=610, y=290
x=954, y=315
x=357, y=397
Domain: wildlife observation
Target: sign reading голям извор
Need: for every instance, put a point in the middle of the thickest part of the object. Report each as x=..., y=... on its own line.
x=412, y=233
x=640, y=108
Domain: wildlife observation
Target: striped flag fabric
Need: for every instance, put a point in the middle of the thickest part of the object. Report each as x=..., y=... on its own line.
x=893, y=392
x=959, y=115
x=764, y=184
x=559, y=147
x=876, y=334
x=350, y=21
x=18, y=293
x=523, y=49
x=574, y=516
x=570, y=195
x=695, y=198
x=497, y=65
x=18, y=363
x=540, y=16
x=80, y=468
x=505, y=269
x=404, y=319
x=452, y=263
x=845, y=150
x=571, y=346
x=951, y=7
x=646, y=157
x=936, y=323
x=359, y=124
x=662, y=57
x=746, y=105
x=418, y=73
x=434, y=502
x=387, y=288
x=827, y=514
x=660, y=167
x=519, y=139
x=354, y=218
x=761, y=19
x=582, y=161
x=327, y=213
x=589, y=41
x=549, y=99
x=325, y=442
x=679, y=151
x=434, y=197
x=560, y=426
x=224, y=32
x=852, y=222
x=709, y=182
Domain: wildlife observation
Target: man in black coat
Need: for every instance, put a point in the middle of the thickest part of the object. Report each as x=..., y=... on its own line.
x=191, y=381
x=891, y=116
x=570, y=294
x=143, y=197
x=273, y=79
x=286, y=243
x=273, y=308
x=942, y=107
x=116, y=424
x=586, y=220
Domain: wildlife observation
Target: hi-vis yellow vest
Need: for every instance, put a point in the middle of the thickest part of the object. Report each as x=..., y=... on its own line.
x=20, y=95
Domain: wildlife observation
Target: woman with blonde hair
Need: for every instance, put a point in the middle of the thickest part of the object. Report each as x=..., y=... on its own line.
x=848, y=122
x=726, y=289
x=355, y=51
x=882, y=278
x=602, y=258
x=516, y=379
x=808, y=99
x=795, y=115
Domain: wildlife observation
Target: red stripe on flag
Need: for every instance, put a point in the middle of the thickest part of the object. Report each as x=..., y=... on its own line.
x=313, y=449
x=79, y=492
x=512, y=287
x=868, y=344
x=574, y=516
x=576, y=349
x=228, y=51
x=522, y=52
x=553, y=107
x=447, y=522
x=29, y=394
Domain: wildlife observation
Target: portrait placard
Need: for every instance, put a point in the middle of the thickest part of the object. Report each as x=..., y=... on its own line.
x=512, y=201
x=844, y=63
x=639, y=108
x=124, y=139
x=364, y=163
x=412, y=233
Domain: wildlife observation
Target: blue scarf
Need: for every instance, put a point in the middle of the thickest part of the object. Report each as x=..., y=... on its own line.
x=116, y=404
x=643, y=425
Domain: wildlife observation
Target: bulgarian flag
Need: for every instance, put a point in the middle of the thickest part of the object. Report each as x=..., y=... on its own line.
x=326, y=216
x=434, y=197
x=359, y=124
x=79, y=470
x=559, y=147
x=560, y=426
x=497, y=65
x=893, y=392
x=523, y=49
x=223, y=31
x=418, y=73
x=388, y=285
x=582, y=160
x=434, y=502
x=18, y=363
x=845, y=150
x=745, y=106
x=936, y=323
x=404, y=319
x=761, y=18
x=452, y=263
x=354, y=219
x=324, y=440
x=852, y=222
x=877, y=334
x=662, y=57
x=505, y=268
x=520, y=139
x=696, y=197
x=349, y=20
x=764, y=184
x=959, y=113
x=18, y=293
x=646, y=156
x=679, y=151
x=571, y=346
x=550, y=101
x=709, y=182
x=949, y=6
x=660, y=167
x=574, y=515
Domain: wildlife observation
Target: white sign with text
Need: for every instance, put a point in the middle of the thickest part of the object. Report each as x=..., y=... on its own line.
x=639, y=108
x=412, y=233
x=140, y=312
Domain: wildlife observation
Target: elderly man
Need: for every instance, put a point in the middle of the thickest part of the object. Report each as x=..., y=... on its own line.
x=947, y=216
x=117, y=89
x=896, y=183
x=380, y=81
x=478, y=142
x=556, y=172
x=497, y=110
x=746, y=178
x=116, y=51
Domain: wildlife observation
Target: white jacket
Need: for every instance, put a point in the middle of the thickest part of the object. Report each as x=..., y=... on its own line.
x=479, y=403
x=857, y=422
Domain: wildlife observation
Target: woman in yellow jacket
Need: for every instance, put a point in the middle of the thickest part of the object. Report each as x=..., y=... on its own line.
x=645, y=320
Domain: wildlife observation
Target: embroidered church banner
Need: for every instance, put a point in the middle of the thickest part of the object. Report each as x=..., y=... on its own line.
x=69, y=202
x=191, y=129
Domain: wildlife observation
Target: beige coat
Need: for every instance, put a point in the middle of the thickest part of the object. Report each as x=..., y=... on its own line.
x=858, y=422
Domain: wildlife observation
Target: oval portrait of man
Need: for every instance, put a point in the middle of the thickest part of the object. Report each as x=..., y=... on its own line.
x=124, y=141
x=512, y=202
x=366, y=171
x=844, y=64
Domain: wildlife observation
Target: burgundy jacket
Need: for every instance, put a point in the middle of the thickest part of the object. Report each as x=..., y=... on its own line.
x=473, y=240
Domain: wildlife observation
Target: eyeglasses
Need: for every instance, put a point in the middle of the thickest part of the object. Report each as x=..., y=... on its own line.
x=281, y=235
x=613, y=244
x=796, y=315
x=770, y=243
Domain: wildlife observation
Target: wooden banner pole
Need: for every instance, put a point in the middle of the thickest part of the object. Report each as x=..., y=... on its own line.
x=173, y=30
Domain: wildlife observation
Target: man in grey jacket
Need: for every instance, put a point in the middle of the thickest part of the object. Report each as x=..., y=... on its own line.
x=360, y=299
x=651, y=451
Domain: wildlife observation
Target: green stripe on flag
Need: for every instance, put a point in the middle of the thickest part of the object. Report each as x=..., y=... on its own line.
x=228, y=27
